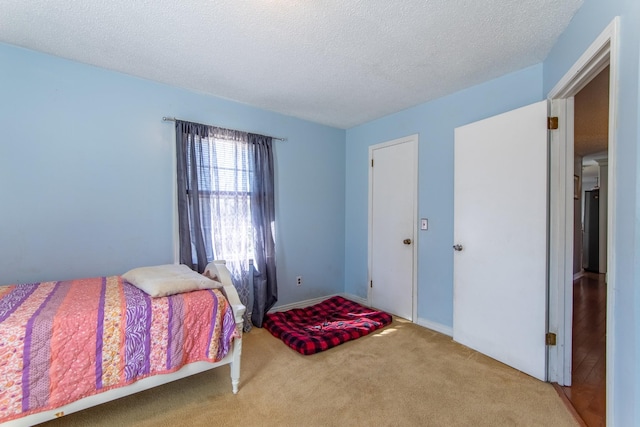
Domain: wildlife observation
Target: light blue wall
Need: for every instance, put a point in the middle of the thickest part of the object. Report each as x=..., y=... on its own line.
x=588, y=23
x=435, y=123
x=86, y=175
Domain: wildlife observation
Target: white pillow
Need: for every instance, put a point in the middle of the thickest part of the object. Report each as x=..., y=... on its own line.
x=168, y=279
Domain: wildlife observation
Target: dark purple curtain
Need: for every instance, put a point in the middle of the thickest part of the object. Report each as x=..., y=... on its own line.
x=265, y=289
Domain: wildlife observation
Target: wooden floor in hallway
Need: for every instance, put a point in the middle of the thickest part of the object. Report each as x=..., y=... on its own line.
x=587, y=392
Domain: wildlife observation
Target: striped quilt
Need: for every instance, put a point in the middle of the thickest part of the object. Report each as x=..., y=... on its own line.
x=62, y=341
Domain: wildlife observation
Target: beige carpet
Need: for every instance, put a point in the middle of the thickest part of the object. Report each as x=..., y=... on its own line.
x=402, y=375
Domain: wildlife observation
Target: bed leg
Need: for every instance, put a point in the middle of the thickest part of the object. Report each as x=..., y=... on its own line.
x=235, y=364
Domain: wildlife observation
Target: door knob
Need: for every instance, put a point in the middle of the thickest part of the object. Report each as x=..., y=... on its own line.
x=407, y=241
x=457, y=248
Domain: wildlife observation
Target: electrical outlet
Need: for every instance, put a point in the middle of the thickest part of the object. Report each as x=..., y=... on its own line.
x=298, y=280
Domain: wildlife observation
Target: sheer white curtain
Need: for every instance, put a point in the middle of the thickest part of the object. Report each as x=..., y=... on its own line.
x=230, y=202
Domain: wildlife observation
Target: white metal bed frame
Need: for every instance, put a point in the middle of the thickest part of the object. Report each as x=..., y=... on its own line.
x=232, y=359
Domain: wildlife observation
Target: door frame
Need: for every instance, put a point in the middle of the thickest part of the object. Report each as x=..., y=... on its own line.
x=413, y=139
x=602, y=52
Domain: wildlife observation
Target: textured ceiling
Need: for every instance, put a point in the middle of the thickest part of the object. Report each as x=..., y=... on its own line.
x=335, y=62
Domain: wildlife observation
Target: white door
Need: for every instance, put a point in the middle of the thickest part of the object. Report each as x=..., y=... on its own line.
x=392, y=221
x=500, y=228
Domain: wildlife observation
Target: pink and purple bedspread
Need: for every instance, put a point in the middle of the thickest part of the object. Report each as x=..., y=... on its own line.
x=62, y=341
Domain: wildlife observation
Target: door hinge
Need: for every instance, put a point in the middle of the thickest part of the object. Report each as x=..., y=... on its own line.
x=371, y=283
x=550, y=338
x=552, y=123
x=371, y=162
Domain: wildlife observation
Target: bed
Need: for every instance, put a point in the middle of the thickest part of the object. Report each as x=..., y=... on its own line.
x=69, y=345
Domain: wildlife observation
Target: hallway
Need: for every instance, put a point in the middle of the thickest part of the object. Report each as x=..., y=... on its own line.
x=587, y=393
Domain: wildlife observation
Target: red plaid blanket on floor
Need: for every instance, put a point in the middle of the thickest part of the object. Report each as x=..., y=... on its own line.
x=325, y=325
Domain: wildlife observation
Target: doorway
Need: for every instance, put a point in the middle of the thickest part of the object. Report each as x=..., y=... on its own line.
x=602, y=53
x=587, y=392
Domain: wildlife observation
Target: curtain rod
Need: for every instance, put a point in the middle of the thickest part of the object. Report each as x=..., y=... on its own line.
x=173, y=119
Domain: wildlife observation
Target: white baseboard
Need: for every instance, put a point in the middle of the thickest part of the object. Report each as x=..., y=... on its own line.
x=300, y=304
x=313, y=301
x=434, y=326
x=361, y=301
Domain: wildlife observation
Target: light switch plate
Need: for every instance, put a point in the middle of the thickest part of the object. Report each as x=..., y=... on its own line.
x=424, y=224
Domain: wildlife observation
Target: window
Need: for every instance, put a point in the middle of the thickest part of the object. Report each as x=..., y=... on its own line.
x=226, y=207
x=224, y=190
